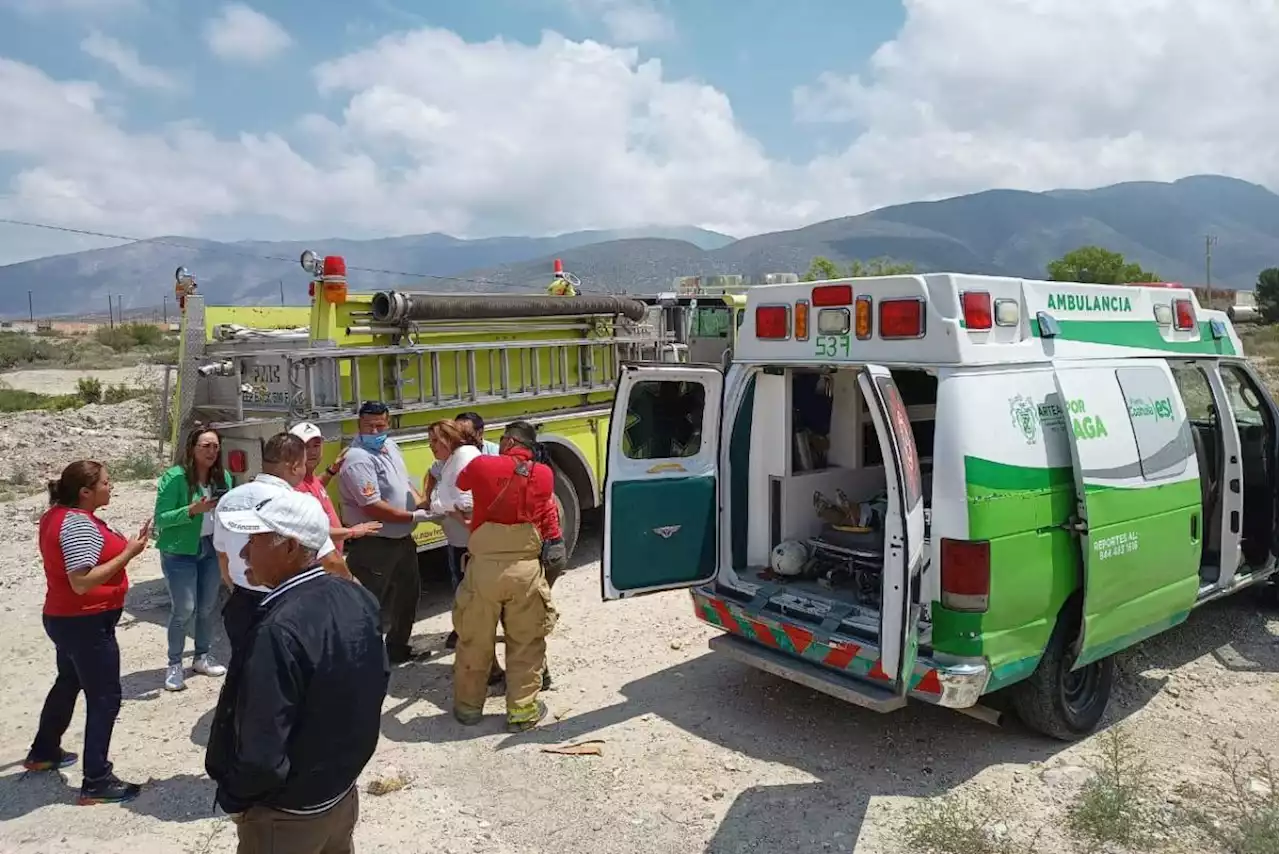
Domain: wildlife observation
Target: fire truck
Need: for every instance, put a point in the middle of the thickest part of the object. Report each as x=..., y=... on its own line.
x=253, y=371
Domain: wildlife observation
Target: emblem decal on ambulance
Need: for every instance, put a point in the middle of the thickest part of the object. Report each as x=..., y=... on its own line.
x=1025, y=418
x=666, y=531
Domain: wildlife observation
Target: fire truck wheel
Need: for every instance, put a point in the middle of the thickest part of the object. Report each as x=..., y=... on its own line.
x=1060, y=702
x=570, y=510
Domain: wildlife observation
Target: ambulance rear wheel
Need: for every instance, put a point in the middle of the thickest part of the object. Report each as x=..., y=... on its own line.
x=570, y=510
x=1060, y=702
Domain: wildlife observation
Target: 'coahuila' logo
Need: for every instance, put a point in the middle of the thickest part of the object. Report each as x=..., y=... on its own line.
x=1023, y=413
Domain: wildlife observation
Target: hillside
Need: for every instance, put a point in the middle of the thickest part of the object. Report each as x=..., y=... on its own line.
x=1007, y=232
x=1003, y=232
x=254, y=271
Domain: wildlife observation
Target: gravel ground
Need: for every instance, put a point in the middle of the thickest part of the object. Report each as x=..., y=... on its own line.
x=63, y=381
x=34, y=446
x=699, y=753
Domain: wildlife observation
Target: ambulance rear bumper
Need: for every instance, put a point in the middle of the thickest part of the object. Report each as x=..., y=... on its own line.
x=845, y=668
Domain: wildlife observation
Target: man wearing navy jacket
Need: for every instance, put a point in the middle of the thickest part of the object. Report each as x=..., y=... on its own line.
x=313, y=665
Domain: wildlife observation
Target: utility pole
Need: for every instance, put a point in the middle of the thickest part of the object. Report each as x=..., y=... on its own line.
x=31, y=311
x=111, y=312
x=166, y=313
x=281, y=291
x=1210, y=241
x=120, y=308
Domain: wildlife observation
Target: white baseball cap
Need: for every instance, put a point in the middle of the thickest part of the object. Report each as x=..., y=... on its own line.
x=295, y=515
x=306, y=431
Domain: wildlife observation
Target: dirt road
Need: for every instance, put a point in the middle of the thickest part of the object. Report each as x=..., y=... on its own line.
x=699, y=755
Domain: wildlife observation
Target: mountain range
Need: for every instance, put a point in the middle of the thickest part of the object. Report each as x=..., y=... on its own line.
x=1162, y=226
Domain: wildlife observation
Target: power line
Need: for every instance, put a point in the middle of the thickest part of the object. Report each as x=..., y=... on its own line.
x=222, y=247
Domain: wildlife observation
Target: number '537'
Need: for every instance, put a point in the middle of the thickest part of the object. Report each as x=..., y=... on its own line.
x=831, y=346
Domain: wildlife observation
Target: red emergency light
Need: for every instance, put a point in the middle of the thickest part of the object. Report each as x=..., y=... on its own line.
x=335, y=267
x=772, y=322
x=826, y=296
x=902, y=318
x=237, y=462
x=1184, y=315
x=977, y=309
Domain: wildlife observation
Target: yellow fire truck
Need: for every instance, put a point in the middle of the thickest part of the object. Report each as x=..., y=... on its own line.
x=253, y=371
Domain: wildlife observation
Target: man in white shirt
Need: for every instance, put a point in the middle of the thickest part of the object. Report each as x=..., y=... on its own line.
x=283, y=467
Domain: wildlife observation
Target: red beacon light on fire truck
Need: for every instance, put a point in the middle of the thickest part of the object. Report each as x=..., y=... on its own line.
x=330, y=272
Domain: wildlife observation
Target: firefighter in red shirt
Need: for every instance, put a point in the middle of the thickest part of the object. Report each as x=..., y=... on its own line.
x=515, y=533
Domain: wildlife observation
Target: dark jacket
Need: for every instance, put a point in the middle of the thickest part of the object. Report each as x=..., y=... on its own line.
x=299, y=715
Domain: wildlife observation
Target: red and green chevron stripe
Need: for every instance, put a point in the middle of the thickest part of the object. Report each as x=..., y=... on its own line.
x=855, y=659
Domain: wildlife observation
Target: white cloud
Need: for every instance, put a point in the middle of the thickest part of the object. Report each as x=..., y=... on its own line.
x=429, y=132
x=239, y=33
x=1040, y=93
x=628, y=21
x=124, y=59
x=90, y=7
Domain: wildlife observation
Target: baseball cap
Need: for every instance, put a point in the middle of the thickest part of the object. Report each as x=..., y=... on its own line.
x=306, y=431
x=295, y=515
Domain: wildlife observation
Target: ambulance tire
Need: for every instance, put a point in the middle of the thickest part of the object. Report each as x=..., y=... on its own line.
x=570, y=510
x=1057, y=701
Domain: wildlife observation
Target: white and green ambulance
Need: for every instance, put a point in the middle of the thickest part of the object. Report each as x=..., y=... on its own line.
x=941, y=486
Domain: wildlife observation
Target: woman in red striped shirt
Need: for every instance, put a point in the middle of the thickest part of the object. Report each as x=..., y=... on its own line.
x=84, y=567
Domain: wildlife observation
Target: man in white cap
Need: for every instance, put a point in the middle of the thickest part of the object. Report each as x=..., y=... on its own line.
x=314, y=666
x=316, y=485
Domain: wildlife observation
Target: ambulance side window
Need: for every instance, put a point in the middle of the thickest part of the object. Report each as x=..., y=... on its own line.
x=1164, y=442
x=1197, y=396
x=664, y=420
x=1245, y=404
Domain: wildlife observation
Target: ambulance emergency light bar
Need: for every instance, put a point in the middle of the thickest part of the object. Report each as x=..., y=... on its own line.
x=1180, y=314
x=899, y=317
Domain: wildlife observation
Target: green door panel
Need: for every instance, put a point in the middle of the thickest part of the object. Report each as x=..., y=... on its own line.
x=1149, y=563
x=642, y=512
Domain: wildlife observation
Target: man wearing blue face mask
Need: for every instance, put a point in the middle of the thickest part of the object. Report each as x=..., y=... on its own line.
x=374, y=486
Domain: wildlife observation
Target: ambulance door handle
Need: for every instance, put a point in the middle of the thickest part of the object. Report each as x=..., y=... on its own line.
x=1075, y=525
x=1235, y=521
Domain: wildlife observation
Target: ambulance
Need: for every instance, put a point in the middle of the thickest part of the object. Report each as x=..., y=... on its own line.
x=942, y=486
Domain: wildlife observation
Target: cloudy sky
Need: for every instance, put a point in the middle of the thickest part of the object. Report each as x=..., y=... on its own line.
x=382, y=117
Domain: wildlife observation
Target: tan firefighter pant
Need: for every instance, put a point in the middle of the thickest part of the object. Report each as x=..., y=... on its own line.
x=503, y=583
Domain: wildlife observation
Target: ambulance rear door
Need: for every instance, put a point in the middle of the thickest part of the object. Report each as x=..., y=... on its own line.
x=1137, y=489
x=661, y=485
x=904, y=551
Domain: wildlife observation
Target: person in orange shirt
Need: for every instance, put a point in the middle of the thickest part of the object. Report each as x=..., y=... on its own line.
x=316, y=485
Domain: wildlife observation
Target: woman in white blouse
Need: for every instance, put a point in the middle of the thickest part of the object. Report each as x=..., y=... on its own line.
x=454, y=445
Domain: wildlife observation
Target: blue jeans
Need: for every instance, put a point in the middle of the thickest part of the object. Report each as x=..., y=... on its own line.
x=89, y=661
x=455, y=554
x=193, y=582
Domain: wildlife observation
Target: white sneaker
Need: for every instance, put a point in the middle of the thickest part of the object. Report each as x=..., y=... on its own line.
x=174, y=678
x=206, y=666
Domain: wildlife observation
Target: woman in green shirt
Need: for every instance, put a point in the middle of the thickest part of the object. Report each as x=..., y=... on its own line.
x=185, y=498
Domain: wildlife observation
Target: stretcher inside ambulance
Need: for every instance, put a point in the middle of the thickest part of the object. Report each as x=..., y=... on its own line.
x=941, y=486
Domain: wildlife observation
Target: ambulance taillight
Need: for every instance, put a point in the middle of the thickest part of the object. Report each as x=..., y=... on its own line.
x=862, y=318
x=1184, y=315
x=966, y=574
x=902, y=318
x=802, y=320
x=827, y=296
x=238, y=462
x=977, y=309
x=773, y=322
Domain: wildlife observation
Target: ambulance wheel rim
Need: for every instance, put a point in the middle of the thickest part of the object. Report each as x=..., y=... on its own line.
x=1079, y=687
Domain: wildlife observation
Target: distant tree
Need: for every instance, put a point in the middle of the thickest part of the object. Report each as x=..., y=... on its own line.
x=881, y=267
x=1265, y=293
x=1099, y=266
x=821, y=268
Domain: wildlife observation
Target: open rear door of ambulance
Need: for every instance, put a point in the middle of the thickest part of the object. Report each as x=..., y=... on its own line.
x=661, y=485
x=1137, y=489
x=904, y=553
